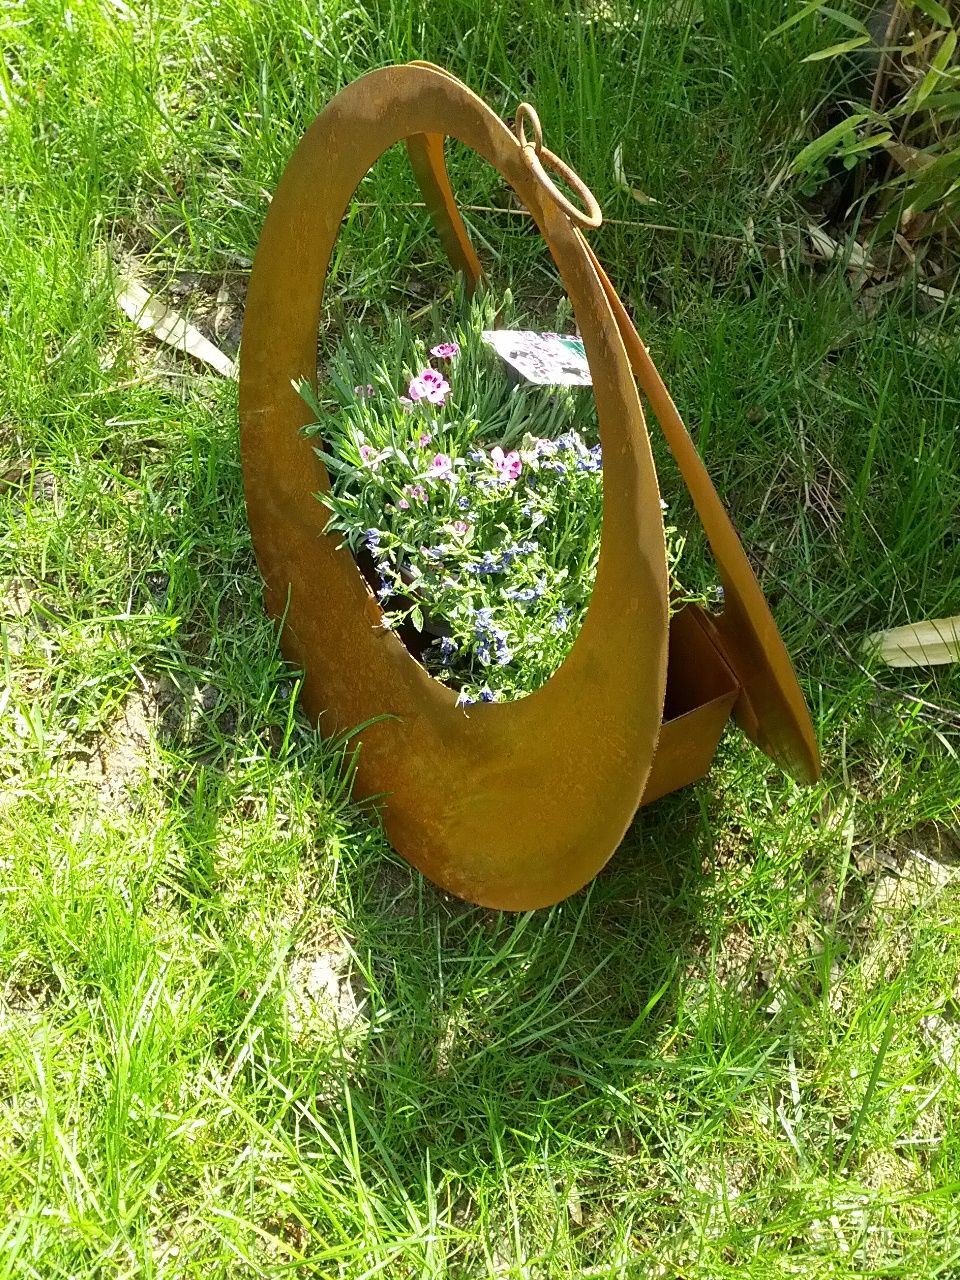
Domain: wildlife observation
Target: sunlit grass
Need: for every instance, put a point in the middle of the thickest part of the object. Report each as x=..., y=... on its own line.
x=237, y=1035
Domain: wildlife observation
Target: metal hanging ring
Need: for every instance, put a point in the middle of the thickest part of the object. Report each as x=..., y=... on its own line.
x=526, y=112
x=536, y=155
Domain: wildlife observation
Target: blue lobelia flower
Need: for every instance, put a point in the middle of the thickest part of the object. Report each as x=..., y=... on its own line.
x=523, y=593
x=448, y=648
x=486, y=564
x=509, y=554
x=386, y=586
x=590, y=461
x=492, y=643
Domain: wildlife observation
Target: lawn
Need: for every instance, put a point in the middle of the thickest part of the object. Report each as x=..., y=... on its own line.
x=238, y=1035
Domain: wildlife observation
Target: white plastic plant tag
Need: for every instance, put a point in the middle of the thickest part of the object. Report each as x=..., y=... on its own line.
x=547, y=359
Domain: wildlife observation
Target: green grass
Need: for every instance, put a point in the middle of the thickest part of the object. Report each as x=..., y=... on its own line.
x=733, y=1054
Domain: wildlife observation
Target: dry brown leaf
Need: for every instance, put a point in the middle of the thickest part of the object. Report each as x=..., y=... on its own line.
x=575, y=1205
x=224, y=314
x=150, y=314
x=13, y=474
x=918, y=644
x=943, y=1036
x=913, y=225
x=826, y=247
x=909, y=159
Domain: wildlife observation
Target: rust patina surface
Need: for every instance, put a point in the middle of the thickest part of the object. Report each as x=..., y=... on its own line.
x=511, y=805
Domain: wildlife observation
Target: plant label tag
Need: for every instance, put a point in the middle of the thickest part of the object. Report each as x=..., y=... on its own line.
x=546, y=359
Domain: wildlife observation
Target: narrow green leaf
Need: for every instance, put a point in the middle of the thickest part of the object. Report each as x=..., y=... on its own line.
x=307, y=393
x=945, y=52
x=937, y=68
x=811, y=7
x=823, y=145
x=941, y=101
x=935, y=11
x=852, y=154
x=885, y=1041
x=835, y=50
x=333, y=463
x=845, y=20
x=870, y=143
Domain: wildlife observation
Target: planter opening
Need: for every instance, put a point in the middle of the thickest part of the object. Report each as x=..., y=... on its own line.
x=471, y=499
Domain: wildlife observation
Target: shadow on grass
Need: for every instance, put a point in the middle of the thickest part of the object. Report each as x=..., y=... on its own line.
x=485, y=1027
x=482, y=1037
x=478, y=1030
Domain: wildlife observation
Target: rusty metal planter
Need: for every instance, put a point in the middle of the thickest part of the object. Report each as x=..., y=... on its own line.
x=511, y=805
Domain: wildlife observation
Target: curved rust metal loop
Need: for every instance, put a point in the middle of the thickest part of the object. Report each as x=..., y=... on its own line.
x=537, y=155
x=526, y=112
x=588, y=217
x=512, y=805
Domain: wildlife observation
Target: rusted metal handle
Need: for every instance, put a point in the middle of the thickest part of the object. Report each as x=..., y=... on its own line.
x=526, y=112
x=536, y=155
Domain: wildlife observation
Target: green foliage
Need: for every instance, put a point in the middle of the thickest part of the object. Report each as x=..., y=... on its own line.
x=238, y=1037
x=904, y=91
x=499, y=560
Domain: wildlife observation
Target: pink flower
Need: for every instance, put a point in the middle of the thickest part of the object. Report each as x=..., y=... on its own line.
x=440, y=467
x=445, y=350
x=424, y=439
x=365, y=393
x=369, y=456
x=508, y=466
x=460, y=526
x=415, y=491
x=429, y=385
x=403, y=504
